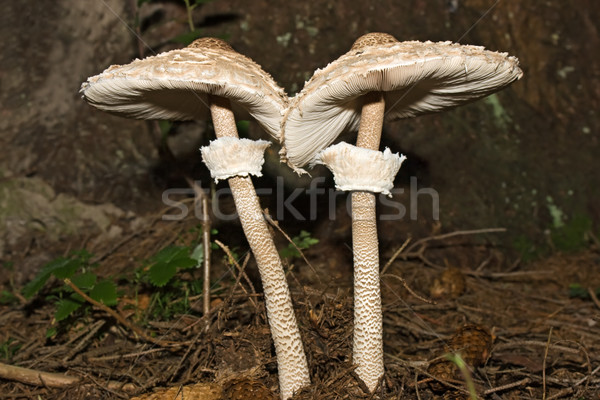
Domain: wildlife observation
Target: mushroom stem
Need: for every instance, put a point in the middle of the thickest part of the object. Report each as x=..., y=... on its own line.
x=368, y=319
x=222, y=117
x=368, y=323
x=371, y=121
x=291, y=360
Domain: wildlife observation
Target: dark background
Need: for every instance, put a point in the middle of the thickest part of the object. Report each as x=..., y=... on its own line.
x=524, y=159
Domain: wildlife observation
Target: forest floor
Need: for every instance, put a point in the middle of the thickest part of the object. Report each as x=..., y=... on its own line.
x=528, y=330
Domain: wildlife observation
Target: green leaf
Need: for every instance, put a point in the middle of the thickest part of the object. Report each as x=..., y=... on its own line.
x=198, y=253
x=85, y=280
x=161, y=273
x=62, y=267
x=68, y=269
x=105, y=292
x=51, y=332
x=7, y=297
x=302, y=241
x=40, y=280
x=169, y=253
x=65, y=307
x=166, y=262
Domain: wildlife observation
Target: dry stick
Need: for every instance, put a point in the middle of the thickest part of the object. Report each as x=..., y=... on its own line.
x=206, y=227
x=246, y=295
x=50, y=379
x=452, y=234
x=592, y=294
x=507, y=386
x=537, y=343
x=289, y=239
x=589, y=377
x=124, y=356
x=237, y=282
x=395, y=255
x=500, y=275
x=92, y=331
x=120, y=318
x=423, y=299
x=240, y=269
x=207, y=250
x=544, y=365
x=561, y=393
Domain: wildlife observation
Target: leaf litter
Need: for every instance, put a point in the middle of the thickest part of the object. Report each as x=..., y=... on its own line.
x=522, y=331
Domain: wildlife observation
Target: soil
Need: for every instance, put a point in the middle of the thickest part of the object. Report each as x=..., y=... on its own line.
x=519, y=305
x=523, y=331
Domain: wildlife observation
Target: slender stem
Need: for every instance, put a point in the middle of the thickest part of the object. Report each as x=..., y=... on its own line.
x=291, y=360
x=368, y=319
x=206, y=245
x=371, y=121
x=189, y=7
x=292, y=365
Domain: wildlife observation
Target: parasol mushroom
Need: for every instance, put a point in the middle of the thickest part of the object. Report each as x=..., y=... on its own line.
x=210, y=79
x=379, y=78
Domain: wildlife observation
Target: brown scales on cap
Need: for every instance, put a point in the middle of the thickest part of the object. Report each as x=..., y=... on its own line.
x=373, y=39
x=210, y=43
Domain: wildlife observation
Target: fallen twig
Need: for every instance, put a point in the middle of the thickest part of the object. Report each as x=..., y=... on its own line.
x=51, y=379
x=544, y=364
x=289, y=239
x=206, y=227
x=512, y=385
x=452, y=234
x=423, y=299
x=242, y=273
x=120, y=318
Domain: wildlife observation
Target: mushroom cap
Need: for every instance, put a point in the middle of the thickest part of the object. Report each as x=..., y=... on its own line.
x=415, y=77
x=175, y=85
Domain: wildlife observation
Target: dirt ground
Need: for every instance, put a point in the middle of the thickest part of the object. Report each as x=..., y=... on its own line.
x=529, y=334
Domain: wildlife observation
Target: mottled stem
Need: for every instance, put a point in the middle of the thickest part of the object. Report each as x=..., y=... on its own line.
x=291, y=360
x=368, y=320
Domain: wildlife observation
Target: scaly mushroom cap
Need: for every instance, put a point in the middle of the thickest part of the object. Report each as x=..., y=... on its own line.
x=416, y=78
x=175, y=85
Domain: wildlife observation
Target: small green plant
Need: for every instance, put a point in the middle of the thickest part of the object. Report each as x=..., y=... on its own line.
x=577, y=290
x=7, y=298
x=572, y=235
x=168, y=295
x=8, y=348
x=464, y=370
x=79, y=270
x=172, y=296
x=303, y=241
x=167, y=262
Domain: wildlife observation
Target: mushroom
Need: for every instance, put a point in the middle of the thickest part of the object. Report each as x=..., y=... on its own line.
x=379, y=78
x=209, y=78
